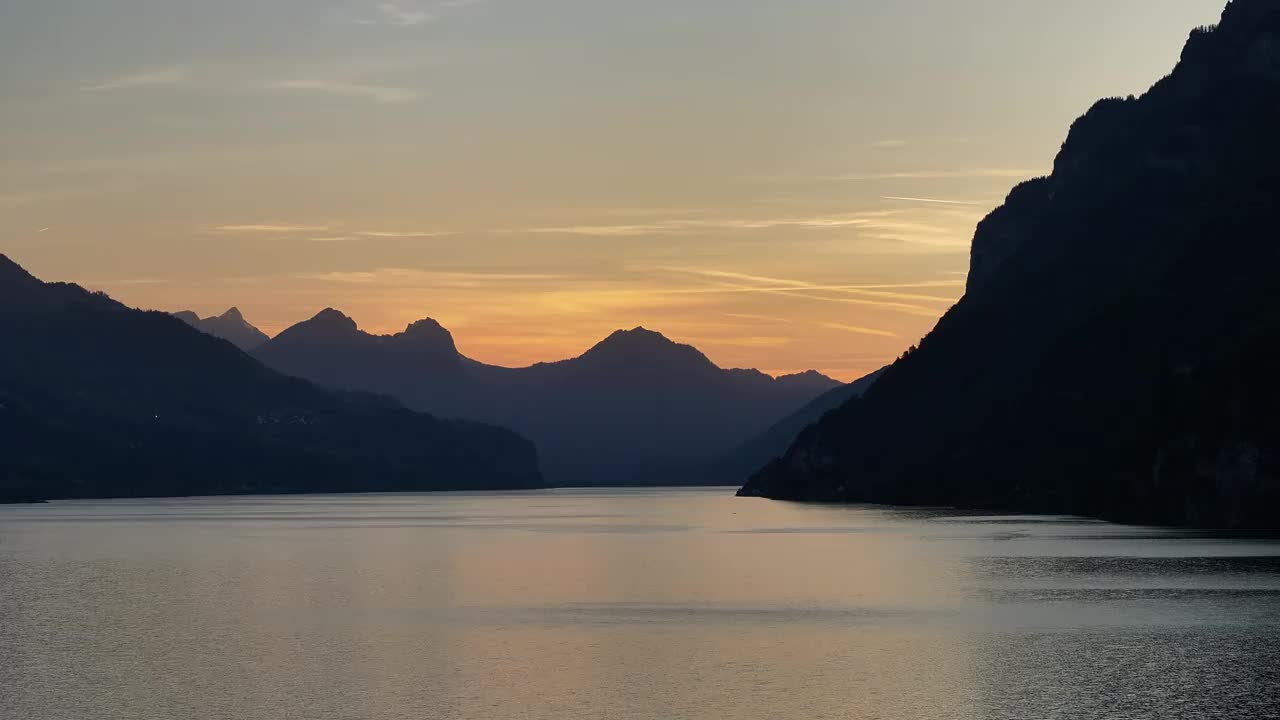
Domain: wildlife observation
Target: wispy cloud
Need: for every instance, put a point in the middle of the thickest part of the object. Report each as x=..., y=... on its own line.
x=378, y=78
x=408, y=235
x=146, y=78
x=279, y=229
x=415, y=278
x=334, y=234
x=884, y=296
x=407, y=13
x=994, y=173
x=380, y=235
x=889, y=143
x=929, y=200
x=678, y=226
x=380, y=93
x=899, y=225
x=404, y=13
x=962, y=174
x=859, y=330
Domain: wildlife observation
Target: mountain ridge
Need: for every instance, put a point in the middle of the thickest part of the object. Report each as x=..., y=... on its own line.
x=1114, y=353
x=230, y=326
x=633, y=402
x=101, y=400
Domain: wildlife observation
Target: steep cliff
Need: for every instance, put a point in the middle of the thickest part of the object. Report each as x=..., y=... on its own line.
x=1115, y=353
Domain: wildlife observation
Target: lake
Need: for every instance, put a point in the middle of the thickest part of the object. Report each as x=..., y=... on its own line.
x=645, y=604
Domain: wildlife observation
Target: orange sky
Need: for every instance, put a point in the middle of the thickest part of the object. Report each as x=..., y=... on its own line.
x=785, y=185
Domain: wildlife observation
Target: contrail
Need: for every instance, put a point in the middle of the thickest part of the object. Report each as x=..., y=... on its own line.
x=928, y=200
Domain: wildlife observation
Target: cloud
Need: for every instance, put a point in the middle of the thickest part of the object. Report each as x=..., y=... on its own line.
x=679, y=226
x=929, y=200
x=965, y=174
x=889, y=143
x=609, y=230
x=338, y=234
x=271, y=228
x=381, y=93
x=926, y=174
x=145, y=78
x=859, y=330
x=414, y=278
x=380, y=235
x=894, y=225
x=385, y=234
x=405, y=14
x=408, y=13
x=856, y=329
x=880, y=296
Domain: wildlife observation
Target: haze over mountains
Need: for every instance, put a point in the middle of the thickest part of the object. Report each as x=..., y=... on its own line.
x=230, y=326
x=628, y=410
x=100, y=400
x=1116, y=351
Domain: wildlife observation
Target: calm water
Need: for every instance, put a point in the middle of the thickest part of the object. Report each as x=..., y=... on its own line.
x=618, y=605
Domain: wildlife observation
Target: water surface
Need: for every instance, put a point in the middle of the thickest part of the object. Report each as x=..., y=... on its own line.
x=622, y=605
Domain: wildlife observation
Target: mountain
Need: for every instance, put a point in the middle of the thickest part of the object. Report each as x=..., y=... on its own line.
x=621, y=413
x=100, y=400
x=1115, y=352
x=774, y=442
x=230, y=326
x=420, y=366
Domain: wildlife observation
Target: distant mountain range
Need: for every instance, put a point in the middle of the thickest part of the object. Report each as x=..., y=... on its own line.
x=1116, y=351
x=773, y=443
x=100, y=400
x=624, y=412
x=230, y=326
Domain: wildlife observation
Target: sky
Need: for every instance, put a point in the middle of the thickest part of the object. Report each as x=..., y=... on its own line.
x=785, y=185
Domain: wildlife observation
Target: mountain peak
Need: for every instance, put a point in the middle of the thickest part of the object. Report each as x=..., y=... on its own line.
x=809, y=377
x=637, y=337
x=328, y=324
x=230, y=326
x=1250, y=16
x=642, y=346
x=336, y=317
x=428, y=332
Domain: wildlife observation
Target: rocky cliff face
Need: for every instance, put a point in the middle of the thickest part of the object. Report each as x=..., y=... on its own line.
x=1115, y=352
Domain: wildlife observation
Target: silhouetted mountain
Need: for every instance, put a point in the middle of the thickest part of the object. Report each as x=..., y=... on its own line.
x=1115, y=354
x=230, y=326
x=21, y=291
x=420, y=366
x=631, y=405
x=99, y=400
x=774, y=442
